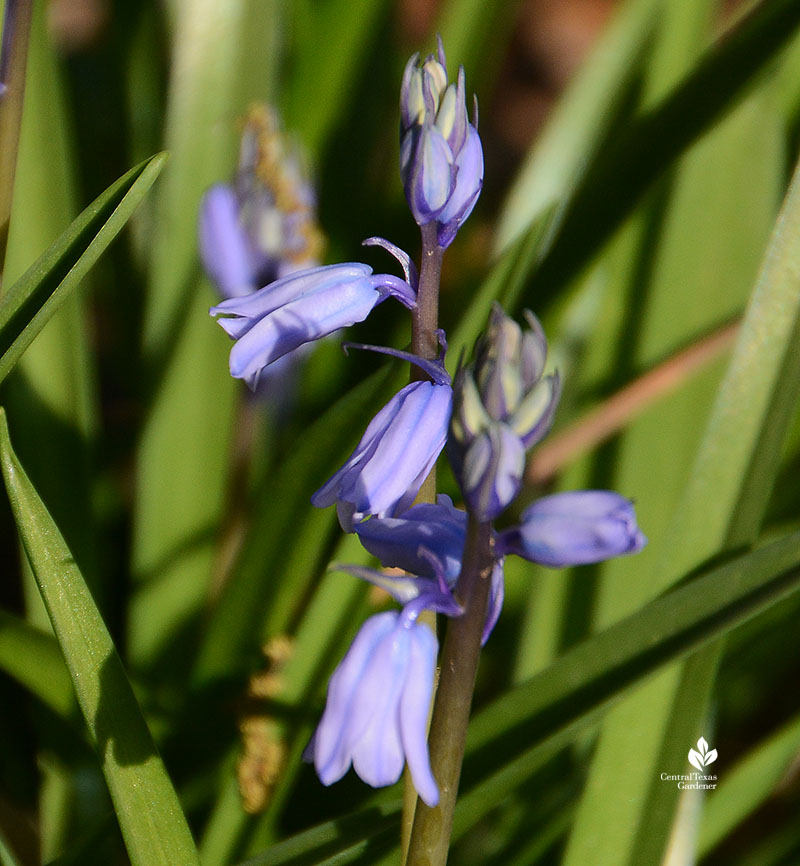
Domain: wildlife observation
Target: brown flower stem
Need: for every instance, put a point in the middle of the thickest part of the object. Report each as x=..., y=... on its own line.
x=13, y=60
x=430, y=835
x=425, y=317
x=425, y=344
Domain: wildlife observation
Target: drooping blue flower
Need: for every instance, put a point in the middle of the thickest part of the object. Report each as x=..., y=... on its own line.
x=262, y=226
x=376, y=712
x=299, y=308
x=396, y=453
x=379, y=696
x=439, y=529
x=427, y=540
x=575, y=528
x=441, y=157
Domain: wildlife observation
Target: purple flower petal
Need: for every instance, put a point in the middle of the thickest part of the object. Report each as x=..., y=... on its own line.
x=400, y=443
x=396, y=541
x=492, y=472
x=534, y=350
x=467, y=188
x=257, y=305
x=496, y=596
x=332, y=756
x=415, y=705
x=534, y=417
x=378, y=751
x=430, y=175
x=411, y=101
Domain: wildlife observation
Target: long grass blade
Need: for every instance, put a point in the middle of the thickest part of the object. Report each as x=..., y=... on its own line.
x=149, y=814
x=29, y=304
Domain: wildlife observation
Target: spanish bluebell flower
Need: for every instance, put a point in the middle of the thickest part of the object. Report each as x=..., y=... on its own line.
x=441, y=158
x=575, y=528
x=377, y=707
x=263, y=226
x=425, y=539
x=502, y=406
x=396, y=453
x=299, y=308
x=379, y=696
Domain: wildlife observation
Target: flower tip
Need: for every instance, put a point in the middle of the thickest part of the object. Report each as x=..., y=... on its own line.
x=430, y=798
x=440, y=51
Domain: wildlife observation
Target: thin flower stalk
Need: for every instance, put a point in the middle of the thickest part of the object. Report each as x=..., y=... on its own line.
x=430, y=834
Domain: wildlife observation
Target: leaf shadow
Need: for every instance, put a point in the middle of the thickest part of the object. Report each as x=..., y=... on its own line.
x=120, y=731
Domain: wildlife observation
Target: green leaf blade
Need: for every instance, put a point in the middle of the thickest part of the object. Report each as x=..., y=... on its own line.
x=147, y=807
x=30, y=303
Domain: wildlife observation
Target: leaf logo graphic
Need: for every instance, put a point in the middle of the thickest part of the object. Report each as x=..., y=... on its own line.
x=703, y=756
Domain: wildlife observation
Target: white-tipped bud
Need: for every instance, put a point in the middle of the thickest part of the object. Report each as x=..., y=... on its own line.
x=441, y=158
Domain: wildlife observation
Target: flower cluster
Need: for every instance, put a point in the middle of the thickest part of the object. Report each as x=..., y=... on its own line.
x=369, y=715
x=498, y=407
x=504, y=406
x=441, y=158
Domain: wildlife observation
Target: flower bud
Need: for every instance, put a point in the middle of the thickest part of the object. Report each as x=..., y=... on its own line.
x=441, y=158
x=575, y=528
x=492, y=471
x=469, y=418
x=502, y=405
